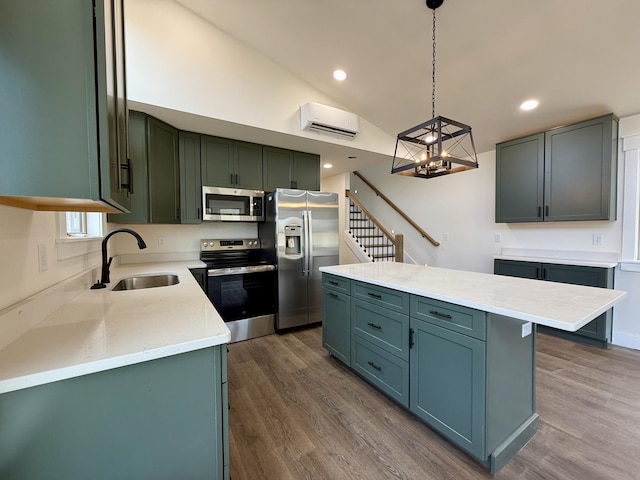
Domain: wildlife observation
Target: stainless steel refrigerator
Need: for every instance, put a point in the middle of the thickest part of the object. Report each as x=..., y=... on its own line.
x=301, y=232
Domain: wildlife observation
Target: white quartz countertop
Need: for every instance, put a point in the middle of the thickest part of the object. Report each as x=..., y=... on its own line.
x=558, y=305
x=102, y=329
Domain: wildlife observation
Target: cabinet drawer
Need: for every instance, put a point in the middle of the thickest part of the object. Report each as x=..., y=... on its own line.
x=339, y=284
x=385, y=297
x=384, y=328
x=453, y=317
x=383, y=370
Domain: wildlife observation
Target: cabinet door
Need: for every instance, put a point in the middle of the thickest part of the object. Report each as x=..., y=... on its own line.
x=447, y=384
x=164, y=192
x=306, y=171
x=580, y=171
x=277, y=164
x=139, y=174
x=336, y=324
x=216, y=161
x=190, y=178
x=512, y=268
x=248, y=165
x=520, y=179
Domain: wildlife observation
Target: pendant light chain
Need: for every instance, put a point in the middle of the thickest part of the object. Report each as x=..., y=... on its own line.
x=433, y=69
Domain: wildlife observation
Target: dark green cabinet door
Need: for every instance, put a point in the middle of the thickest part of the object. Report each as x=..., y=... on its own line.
x=190, y=178
x=512, y=268
x=579, y=173
x=63, y=102
x=277, y=164
x=217, y=161
x=306, y=171
x=336, y=324
x=600, y=327
x=447, y=384
x=248, y=165
x=520, y=179
x=139, y=172
x=164, y=190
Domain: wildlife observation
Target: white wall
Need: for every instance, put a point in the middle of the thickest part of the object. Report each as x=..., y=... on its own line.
x=178, y=61
x=21, y=231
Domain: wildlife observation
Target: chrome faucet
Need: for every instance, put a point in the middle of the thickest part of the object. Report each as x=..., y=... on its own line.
x=107, y=263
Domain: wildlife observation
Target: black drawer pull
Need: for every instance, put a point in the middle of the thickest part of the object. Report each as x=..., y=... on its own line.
x=334, y=295
x=331, y=282
x=441, y=315
x=377, y=367
x=373, y=325
x=375, y=295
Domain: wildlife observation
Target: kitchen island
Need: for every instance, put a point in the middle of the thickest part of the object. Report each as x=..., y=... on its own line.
x=456, y=348
x=116, y=384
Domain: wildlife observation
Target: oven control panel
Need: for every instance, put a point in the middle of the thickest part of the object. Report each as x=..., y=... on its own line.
x=212, y=245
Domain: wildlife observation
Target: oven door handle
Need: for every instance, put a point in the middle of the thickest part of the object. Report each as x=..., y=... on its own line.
x=218, y=272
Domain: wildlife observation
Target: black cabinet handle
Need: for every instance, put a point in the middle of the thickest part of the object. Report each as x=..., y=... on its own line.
x=546, y=211
x=537, y=273
x=441, y=315
x=230, y=178
x=331, y=282
x=539, y=211
x=377, y=367
x=373, y=325
x=544, y=273
x=375, y=295
x=333, y=295
x=198, y=215
x=411, y=341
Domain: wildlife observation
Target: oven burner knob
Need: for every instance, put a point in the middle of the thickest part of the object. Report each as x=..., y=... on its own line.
x=211, y=244
x=204, y=244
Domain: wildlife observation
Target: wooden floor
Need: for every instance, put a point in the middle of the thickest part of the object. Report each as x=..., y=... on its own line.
x=297, y=413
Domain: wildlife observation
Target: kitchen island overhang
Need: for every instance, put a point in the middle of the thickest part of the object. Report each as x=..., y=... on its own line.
x=456, y=348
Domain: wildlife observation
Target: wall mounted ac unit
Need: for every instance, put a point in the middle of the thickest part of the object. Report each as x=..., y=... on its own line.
x=321, y=118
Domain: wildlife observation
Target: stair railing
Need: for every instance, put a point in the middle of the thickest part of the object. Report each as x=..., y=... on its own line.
x=378, y=243
x=397, y=209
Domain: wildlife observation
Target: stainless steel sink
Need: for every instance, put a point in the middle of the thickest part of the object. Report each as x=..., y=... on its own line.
x=146, y=281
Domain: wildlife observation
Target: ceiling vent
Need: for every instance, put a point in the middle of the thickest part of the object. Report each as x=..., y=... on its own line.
x=321, y=118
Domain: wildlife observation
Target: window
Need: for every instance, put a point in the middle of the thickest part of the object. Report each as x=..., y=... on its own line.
x=83, y=224
x=631, y=204
x=79, y=233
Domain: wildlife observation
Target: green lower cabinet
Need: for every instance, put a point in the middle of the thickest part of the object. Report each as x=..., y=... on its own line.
x=387, y=372
x=598, y=332
x=160, y=419
x=336, y=324
x=448, y=384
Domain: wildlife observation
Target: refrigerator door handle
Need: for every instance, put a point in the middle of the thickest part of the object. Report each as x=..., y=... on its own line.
x=305, y=243
x=309, y=243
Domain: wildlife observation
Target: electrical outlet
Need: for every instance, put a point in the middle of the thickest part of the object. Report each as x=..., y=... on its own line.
x=162, y=241
x=497, y=238
x=598, y=239
x=445, y=237
x=526, y=329
x=42, y=257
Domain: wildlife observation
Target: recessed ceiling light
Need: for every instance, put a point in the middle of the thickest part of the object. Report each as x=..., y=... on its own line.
x=327, y=165
x=339, y=75
x=529, y=105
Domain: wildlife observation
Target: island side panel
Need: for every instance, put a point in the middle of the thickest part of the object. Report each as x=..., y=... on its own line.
x=159, y=419
x=511, y=400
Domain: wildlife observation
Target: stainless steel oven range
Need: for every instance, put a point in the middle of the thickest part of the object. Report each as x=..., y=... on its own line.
x=241, y=284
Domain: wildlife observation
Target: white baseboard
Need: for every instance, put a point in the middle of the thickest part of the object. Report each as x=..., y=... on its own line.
x=627, y=340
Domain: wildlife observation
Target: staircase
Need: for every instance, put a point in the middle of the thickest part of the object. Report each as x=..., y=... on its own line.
x=375, y=241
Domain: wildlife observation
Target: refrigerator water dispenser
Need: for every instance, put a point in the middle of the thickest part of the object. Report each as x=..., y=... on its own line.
x=292, y=235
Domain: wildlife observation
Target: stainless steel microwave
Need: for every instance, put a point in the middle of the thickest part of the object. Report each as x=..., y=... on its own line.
x=232, y=205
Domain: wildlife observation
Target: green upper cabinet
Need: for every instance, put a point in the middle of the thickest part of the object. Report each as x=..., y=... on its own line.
x=190, y=178
x=153, y=146
x=230, y=163
x=63, y=124
x=306, y=171
x=290, y=169
x=568, y=173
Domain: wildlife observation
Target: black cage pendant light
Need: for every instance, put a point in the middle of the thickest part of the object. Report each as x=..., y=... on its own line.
x=438, y=146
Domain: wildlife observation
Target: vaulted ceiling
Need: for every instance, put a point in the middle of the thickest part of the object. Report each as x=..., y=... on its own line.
x=579, y=58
